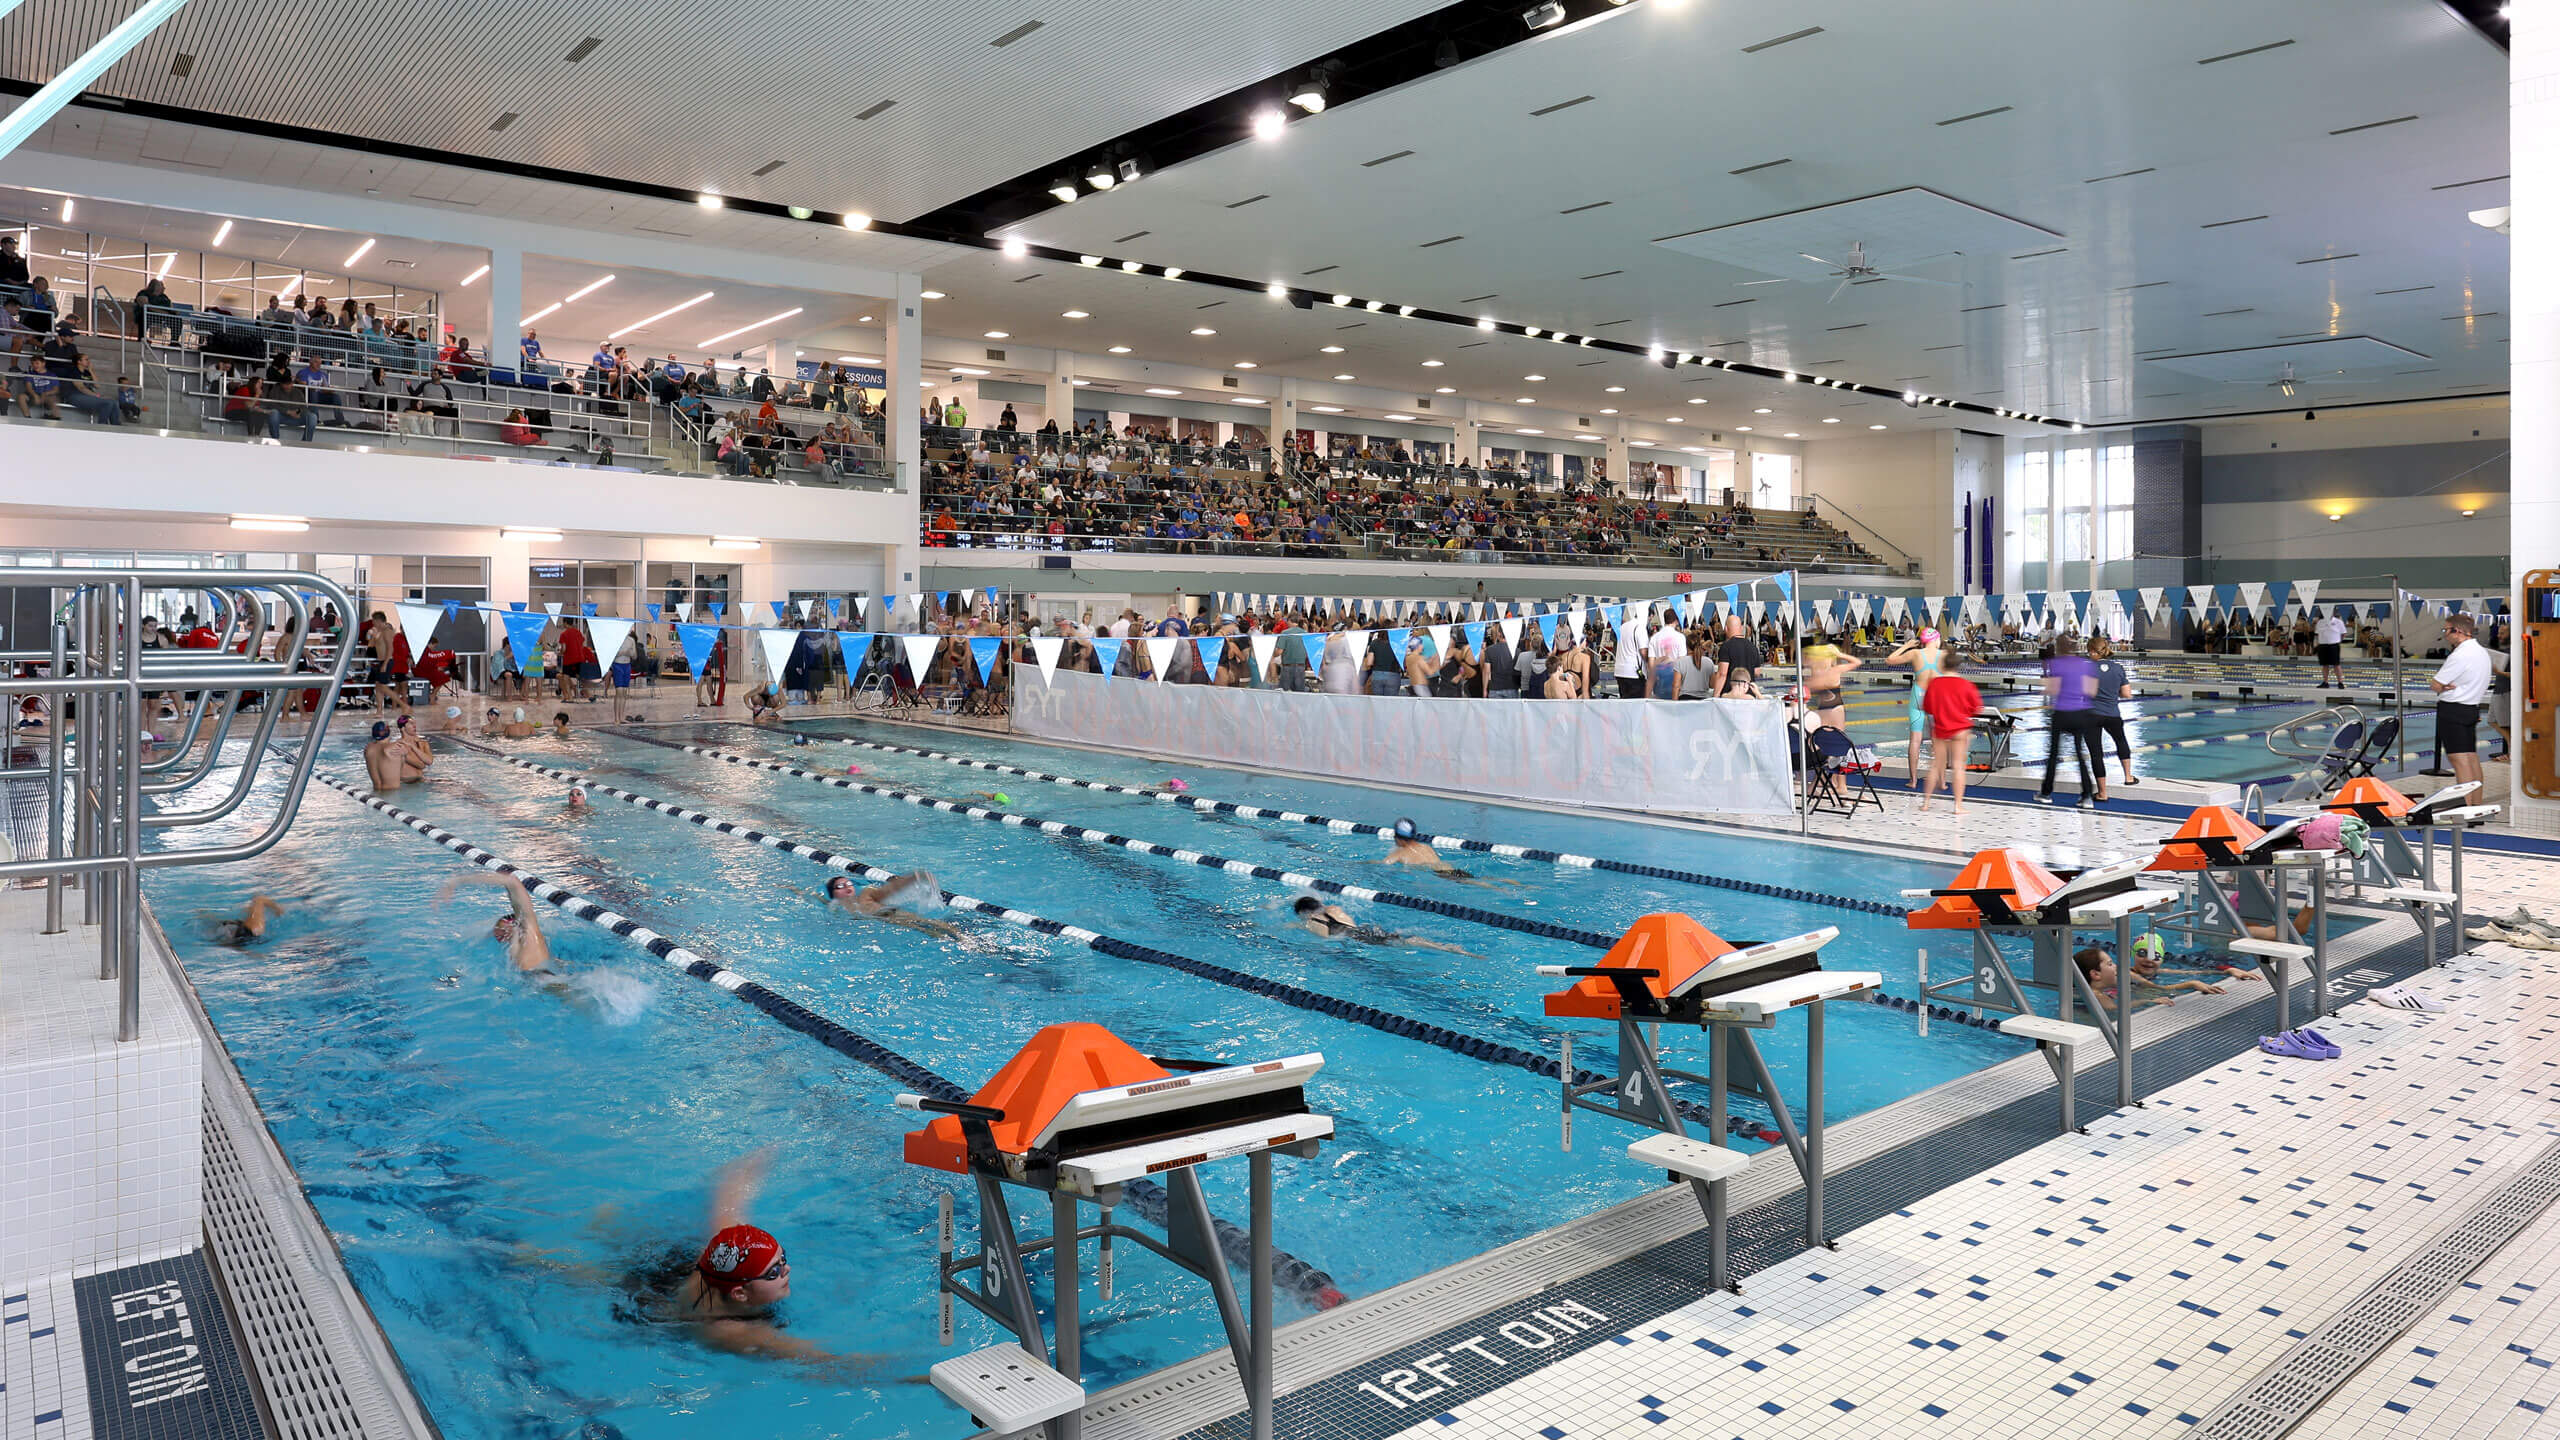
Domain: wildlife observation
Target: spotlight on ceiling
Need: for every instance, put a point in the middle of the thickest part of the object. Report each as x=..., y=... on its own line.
x=1128, y=171
x=1064, y=187
x=1268, y=124
x=1015, y=247
x=708, y=200
x=1308, y=94
x=856, y=220
x=1541, y=17
x=1445, y=55
x=1100, y=177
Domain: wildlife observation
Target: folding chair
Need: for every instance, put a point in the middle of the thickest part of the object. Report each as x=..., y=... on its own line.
x=1839, y=784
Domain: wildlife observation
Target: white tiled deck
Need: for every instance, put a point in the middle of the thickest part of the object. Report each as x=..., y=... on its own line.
x=2127, y=1282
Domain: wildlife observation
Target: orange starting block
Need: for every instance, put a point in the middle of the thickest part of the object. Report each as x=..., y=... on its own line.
x=2213, y=835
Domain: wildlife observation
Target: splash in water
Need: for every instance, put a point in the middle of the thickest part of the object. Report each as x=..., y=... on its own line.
x=618, y=999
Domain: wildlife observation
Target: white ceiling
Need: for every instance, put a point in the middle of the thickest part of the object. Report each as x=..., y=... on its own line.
x=696, y=93
x=2199, y=209
x=2107, y=131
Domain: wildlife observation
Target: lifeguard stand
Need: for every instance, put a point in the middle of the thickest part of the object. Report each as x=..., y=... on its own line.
x=2406, y=874
x=2002, y=891
x=1077, y=1114
x=1668, y=969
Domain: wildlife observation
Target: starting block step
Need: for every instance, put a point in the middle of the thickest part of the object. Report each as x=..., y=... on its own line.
x=2412, y=895
x=2270, y=949
x=1006, y=1388
x=2046, y=1031
x=1693, y=1159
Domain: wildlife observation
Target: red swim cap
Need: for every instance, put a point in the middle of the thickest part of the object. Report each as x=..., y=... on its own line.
x=737, y=1255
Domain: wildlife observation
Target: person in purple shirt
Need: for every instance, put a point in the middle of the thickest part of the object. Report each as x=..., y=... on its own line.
x=2070, y=683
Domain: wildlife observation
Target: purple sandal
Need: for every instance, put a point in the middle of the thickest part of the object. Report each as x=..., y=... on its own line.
x=2288, y=1046
x=2328, y=1050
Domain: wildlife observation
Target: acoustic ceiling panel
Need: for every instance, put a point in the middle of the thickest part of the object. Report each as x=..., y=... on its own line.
x=889, y=107
x=1898, y=227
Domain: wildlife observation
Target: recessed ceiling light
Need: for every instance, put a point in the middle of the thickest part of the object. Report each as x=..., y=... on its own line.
x=1268, y=124
x=1276, y=290
x=225, y=233
x=1431, y=364
x=1015, y=247
x=1079, y=382
x=1586, y=437
x=1761, y=411
x=1393, y=416
x=856, y=220
x=709, y=200
x=1791, y=435
x=1119, y=349
x=1830, y=419
x=1875, y=427
x=1074, y=315
x=1697, y=400
x=1346, y=377
x=1526, y=400
x=1617, y=389
x=1202, y=330
x=773, y=319
x=1326, y=409
x=350, y=260
x=1525, y=430
x=1484, y=324
x=1533, y=379
x=1745, y=429
x=1160, y=390
x=734, y=542
x=933, y=295
x=1610, y=411
x=467, y=279
x=1246, y=400
x=1671, y=420
x=280, y=523
x=1446, y=390
x=661, y=315
x=1641, y=444
x=999, y=335
x=1333, y=350
x=1693, y=449
x=1247, y=365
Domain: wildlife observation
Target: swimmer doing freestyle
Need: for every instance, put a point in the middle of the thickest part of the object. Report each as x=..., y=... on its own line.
x=730, y=1295
x=882, y=901
x=250, y=928
x=1335, y=923
x=520, y=930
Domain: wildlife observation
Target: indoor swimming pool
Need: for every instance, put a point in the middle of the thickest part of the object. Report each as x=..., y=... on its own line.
x=498, y=1160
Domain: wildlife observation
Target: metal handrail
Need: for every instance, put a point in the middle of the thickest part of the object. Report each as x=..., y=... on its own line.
x=1909, y=560
x=95, y=759
x=2346, y=713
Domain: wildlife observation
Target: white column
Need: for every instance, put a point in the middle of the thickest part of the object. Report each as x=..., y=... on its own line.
x=1469, y=438
x=778, y=360
x=1620, y=470
x=905, y=363
x=1062, y=391
x=2533, y=307
x=505, y=281
x=1284, y=414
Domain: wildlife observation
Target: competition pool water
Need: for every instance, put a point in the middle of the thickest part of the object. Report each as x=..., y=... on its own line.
x=496, y=1160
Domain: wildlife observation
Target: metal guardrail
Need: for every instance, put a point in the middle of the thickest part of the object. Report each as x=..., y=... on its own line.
x=97, y=768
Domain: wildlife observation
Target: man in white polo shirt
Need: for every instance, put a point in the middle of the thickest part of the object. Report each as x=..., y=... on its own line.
x=2461, y=687
x=2330, y=633
x=1630, y=667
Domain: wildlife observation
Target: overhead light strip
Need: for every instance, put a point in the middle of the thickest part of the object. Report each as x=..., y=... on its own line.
x=743, y=329
x=661, y=315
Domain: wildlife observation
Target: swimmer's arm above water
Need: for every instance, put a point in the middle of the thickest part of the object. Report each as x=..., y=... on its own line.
x=526, y=948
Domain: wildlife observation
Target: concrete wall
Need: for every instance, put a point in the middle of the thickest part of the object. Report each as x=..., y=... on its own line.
x=1903, y=486
x=2399, y=482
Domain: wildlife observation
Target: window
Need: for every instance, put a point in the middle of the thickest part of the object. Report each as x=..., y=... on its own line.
x=1773, y=481
x=2115, y=503
x=2031, y=485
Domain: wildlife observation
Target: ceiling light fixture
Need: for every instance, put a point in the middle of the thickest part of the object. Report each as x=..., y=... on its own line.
x=801, y=212
x=1391, y=415
x=1542, y=17
x=1376, y=305
x=1745, y=429
x=1015, y=247
x=1132, y=267
x=743, y=329
x=1065, y=189
x=929, y=295
x=1089, y=261
x=1341, y=301
x=582, y=292
x=1101, y=176
x=1119, y=349
x=1446, y=390
x=1309, y=94
x=1346, y=377
x=1248, y=365
x=1079, y=383
x=358, y=255
x=1875, y=427
x=1332, y=349
x=661, y=315
x=1830, y=419
x=1127, y=170
x=1202, y=330
x=1525, y=430
x=736, y=542
x=1526, y=400
x=538, y=314
x=1173, y=272
x=709, y=200
x=291, y=285
x=1268, y=124
x=1276, y=290
x=1761, y=411
x=1617, y=390
x=856, y=220
x=1486, y=324
x=1791, y=435
x=1433, y=364
x=165, y=262
x=1074, y=315
x=466, y=280
x=1161, y=390
x=530, y=537
x=1531, y=332
x=225, y=233
x=1697, y=400
x=1641, y=444
x=269, y=522
x=999, y=334
x=1326, y=409
x=1610, y=411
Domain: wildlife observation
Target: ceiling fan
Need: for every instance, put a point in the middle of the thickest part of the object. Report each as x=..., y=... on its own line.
x=1857, y=270
x=2286, y=382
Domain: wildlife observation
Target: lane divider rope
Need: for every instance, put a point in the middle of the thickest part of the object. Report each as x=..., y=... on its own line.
x=1304, y=1280
x=1294, y=879
x=1458, y=1042
x=1356, y=827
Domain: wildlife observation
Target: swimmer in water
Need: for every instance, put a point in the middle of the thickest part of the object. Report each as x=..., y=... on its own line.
x=1335, y=923
x=729, y=1296
x=520, y=930
x=992, y=797
x=1409, y=848
x=577, y=803
x=559, y=724
x=880, y=902
x=250, y=927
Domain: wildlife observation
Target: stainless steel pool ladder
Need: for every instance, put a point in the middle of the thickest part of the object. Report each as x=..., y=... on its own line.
x=96, y=768
x=2282, y=744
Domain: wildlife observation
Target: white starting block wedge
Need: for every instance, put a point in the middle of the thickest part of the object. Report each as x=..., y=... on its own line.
x=1006, y=1388
x=2052, y=1036
x=2282, y=957
x=1689, y=1159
